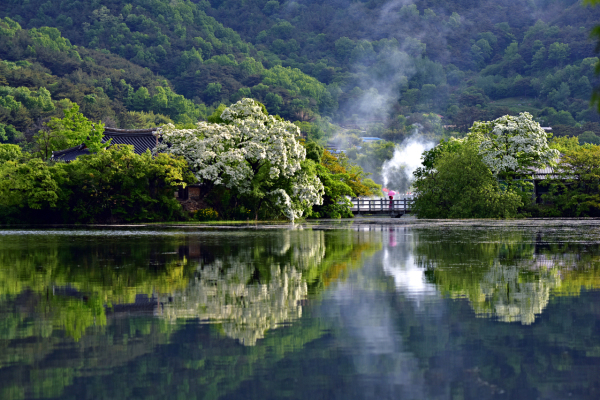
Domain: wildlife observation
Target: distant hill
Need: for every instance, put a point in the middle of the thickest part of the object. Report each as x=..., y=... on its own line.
x=384, y=65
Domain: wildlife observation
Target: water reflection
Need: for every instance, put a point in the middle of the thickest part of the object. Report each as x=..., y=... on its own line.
x=247, y=283
x=261, y=283
x=506, y=274
x=411, y=333
x=118, y=297
x=370, y=312
x=399, y=262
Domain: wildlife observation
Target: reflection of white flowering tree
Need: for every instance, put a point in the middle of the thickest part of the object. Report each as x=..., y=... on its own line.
x=227, y=291
x=513, y=144
x=508, y=294
x=245, y=311
x=498, y=271
x=256, y=154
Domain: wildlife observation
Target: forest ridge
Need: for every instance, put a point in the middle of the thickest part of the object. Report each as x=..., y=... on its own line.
x=385, y=65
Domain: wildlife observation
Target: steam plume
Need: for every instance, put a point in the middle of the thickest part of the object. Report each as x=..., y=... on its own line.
x=398, y=171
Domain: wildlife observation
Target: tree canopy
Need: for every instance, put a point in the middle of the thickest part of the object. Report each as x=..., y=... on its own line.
x=510, y=145
x=254, y=154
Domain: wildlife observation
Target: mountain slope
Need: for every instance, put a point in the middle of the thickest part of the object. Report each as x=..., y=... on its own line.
x=384, y=65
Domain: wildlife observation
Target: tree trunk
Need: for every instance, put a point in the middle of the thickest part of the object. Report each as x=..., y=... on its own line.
x=257, y=208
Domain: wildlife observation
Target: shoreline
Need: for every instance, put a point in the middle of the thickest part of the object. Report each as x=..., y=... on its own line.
x=345, y=223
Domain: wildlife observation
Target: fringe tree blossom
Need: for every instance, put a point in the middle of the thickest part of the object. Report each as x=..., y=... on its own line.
x=232, y=154
x=225, y=289
x=513, y=144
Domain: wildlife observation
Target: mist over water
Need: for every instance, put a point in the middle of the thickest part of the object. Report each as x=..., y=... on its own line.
x=397, y=173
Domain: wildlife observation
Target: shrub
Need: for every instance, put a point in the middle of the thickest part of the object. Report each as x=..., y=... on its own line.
x=206, y=214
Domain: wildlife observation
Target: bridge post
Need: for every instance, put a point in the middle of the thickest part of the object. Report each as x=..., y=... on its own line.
x=405, y=205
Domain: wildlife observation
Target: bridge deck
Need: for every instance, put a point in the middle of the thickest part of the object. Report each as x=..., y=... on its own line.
x=380, y=206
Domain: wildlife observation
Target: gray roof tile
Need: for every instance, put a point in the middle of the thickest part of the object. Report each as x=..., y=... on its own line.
x=140, y=139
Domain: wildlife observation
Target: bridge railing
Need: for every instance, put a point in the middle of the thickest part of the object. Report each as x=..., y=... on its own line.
x=381, y=205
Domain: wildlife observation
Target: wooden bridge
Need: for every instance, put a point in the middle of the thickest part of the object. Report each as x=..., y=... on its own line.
x=381, y=206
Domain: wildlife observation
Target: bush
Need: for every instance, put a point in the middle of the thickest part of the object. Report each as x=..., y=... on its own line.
x=111, y=185
x=333, y=211
x=574, y=189
x=589, y=137
x=206, y=214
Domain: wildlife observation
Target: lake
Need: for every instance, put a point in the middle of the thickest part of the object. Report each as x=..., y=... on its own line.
x=357, y=310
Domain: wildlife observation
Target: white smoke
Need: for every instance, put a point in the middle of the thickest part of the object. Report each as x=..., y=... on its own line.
x=376, y=102
x=397, y=173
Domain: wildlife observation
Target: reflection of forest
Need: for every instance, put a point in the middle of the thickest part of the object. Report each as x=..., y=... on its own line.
x=257, y=286
x=247, y=282
x=90, y=288
x=68, y=281
x=364, y=337
x=506, y=274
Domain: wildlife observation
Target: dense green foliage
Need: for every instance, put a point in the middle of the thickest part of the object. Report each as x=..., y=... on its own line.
x=466, y=61
x=114, y=184
x=379, y=65
x=458, y=184
x=104, y=86
x=71, y=130
x=113, y=94
x=398, y=67
x=111, y=185
x=478, y=177
x=573, y=190
x=341, y=179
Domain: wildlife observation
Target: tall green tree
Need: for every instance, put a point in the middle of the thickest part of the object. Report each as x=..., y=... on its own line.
x=459, y=184
x=71, y=130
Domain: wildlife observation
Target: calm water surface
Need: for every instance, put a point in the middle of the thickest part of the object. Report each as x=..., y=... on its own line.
x=356, y=312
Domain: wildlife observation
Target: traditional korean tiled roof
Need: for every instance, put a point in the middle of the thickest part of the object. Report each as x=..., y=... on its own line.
x=140, y=139
x=70, y=154
x=547, y=172
x=543, y=173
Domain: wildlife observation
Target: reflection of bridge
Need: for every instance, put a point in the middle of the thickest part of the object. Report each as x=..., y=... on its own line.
x=381, y=206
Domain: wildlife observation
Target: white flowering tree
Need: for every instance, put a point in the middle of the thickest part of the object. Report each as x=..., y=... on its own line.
x=252, y=153
x=513, y=145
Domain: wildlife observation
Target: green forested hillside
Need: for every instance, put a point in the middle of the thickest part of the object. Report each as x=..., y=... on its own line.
x=381, y=64
x=465, y=60
x=48, y=72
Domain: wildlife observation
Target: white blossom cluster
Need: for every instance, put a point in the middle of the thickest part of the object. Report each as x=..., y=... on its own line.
x=224, y=291
x=508, y=297
x=231, y=154
x=513, y=144
x=245, y=311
